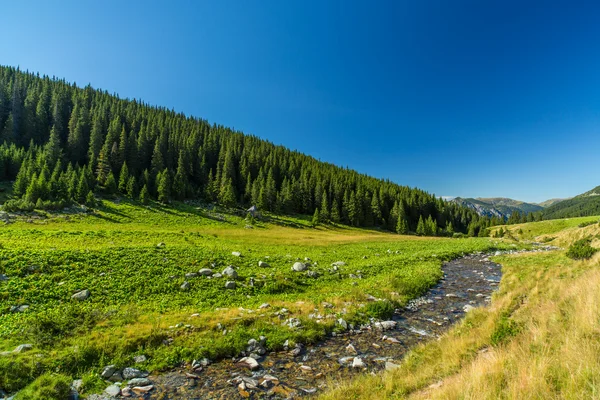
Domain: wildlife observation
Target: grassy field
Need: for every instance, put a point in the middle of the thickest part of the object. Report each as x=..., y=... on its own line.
x=540, y=338
x=134, y=259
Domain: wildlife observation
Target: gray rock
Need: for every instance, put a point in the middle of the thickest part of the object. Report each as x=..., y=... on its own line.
x=389, y=366
x=248, y=362
x=82, y=295
x=3, y=277
x=342, y=322
x=264, y=305
x=160, y=245
x=116, y=377
x=299, y=267
x=468, y=308
x=358, y=363
x=206, y=272
x=140, y=359
x=139, y=382
x=230, y=285
x=130, y=373
x=312, y=274
x=113, y=390
x=230, y=272
x=385, y=325
x=217, y=275
x=338, y=264
x=263, y=264
x=236, y=253
x=191, y=275
x=254, y=346
x=185, y=286
x=108, y=371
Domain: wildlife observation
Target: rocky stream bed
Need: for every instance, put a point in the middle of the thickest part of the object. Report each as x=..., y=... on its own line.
x=305, y=371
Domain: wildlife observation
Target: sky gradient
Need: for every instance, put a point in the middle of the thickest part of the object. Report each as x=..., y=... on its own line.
x=459, y=98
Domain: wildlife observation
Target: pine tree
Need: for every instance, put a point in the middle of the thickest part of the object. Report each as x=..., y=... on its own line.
x=52, y=149
x=82, y=189
x=110, y=186
x=324, y=210
x=164, y=186
x=449, y=228
x=180, y=182
x=131, y=187
x=90, y=200
x=316, y=219
x=144, y=195
x=227, y=194
x=421, y=230
x=430, y=227
x=123, y=178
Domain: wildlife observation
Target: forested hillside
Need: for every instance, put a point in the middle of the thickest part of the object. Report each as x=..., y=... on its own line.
x=62, y=143
x=584, y=205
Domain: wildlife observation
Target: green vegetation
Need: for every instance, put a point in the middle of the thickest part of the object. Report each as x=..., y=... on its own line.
x=62, y=144
x=134, y=259
x=581, y=249
x=579, y=206
x=538, y=339
x=47, y=387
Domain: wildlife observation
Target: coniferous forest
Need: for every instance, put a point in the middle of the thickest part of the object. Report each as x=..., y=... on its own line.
x=63, y=144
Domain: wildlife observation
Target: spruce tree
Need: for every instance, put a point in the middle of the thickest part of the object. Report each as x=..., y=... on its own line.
x=316, y=219
x=144, y=195
x=123, y=178
x=164, y=186
x=131, y=187
x=82, y=189
x=421, y=230
x=110, y=186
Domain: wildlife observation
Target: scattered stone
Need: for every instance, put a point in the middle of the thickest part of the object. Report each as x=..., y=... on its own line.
x=206, y=272
x=126, y=392
x=264, y=305
x=142, y=389
x=342, y=323
x=468, y=308
x=116, y=377
x=139, y=382
x=263, y=264
x=230, y=272
x=312, y=274
x=230, y=285
x=160, y=245
x=140, y=359
x=217, y=275
x=113, y=390
x=108, y=371
x=299, y=267
x=389, y=366
x=130, y=373
x=338, y=264
x=256, y=347
x=191, y=275
x=305, y=368
x=327, y=305
x=390, y=339
x=3, y=277
x=351, y=349
x=358, y=363
x=185, y=286
x=236, y=254
x=248, y=362
x=385, y=325
x=82, y=295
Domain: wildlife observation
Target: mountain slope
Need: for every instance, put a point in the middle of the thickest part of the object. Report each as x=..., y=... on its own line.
x=87, y=142
x=551, y=202
x=499, y=207
x=585, y=204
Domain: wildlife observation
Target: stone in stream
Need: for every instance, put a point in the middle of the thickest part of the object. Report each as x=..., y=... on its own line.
x=385, y=325
x=390, y=339
x=468, y=308
x=299, y=267
x=206, y=272
x=248, y=362
x=230, y=285
x=82, y=295
x=142, y=389
x=263, y=264
x=358, y=363
x=139, y=382
x=230, y=272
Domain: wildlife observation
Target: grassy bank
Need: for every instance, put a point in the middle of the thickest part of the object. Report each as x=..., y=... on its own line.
x=134, y=261
x=540, y=338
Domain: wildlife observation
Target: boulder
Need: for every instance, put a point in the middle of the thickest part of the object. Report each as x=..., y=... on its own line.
x=130, y=373
x=230, y=272
x=248, y=362
x=139, y=382
x=230, y=285
x=108, y=371
x=299, y=267
x=82, y=295
x=206, y=272
x=113, y=390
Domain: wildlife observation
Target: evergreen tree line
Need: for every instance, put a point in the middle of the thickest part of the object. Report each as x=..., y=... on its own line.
x=63, y=144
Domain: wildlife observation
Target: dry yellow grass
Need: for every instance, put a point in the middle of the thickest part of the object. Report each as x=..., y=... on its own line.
x=554, y=353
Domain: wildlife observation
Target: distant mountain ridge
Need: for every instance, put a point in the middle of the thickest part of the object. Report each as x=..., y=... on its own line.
x=551, y=202
x=582, y=205
x=500, y=207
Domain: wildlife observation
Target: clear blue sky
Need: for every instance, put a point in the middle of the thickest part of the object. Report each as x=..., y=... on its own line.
x=460, y=98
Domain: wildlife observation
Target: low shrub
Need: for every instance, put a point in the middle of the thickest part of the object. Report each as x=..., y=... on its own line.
x=47, y=387
x=581, y=249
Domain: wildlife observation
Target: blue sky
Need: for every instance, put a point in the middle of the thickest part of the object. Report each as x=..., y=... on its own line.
x=460, y=98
